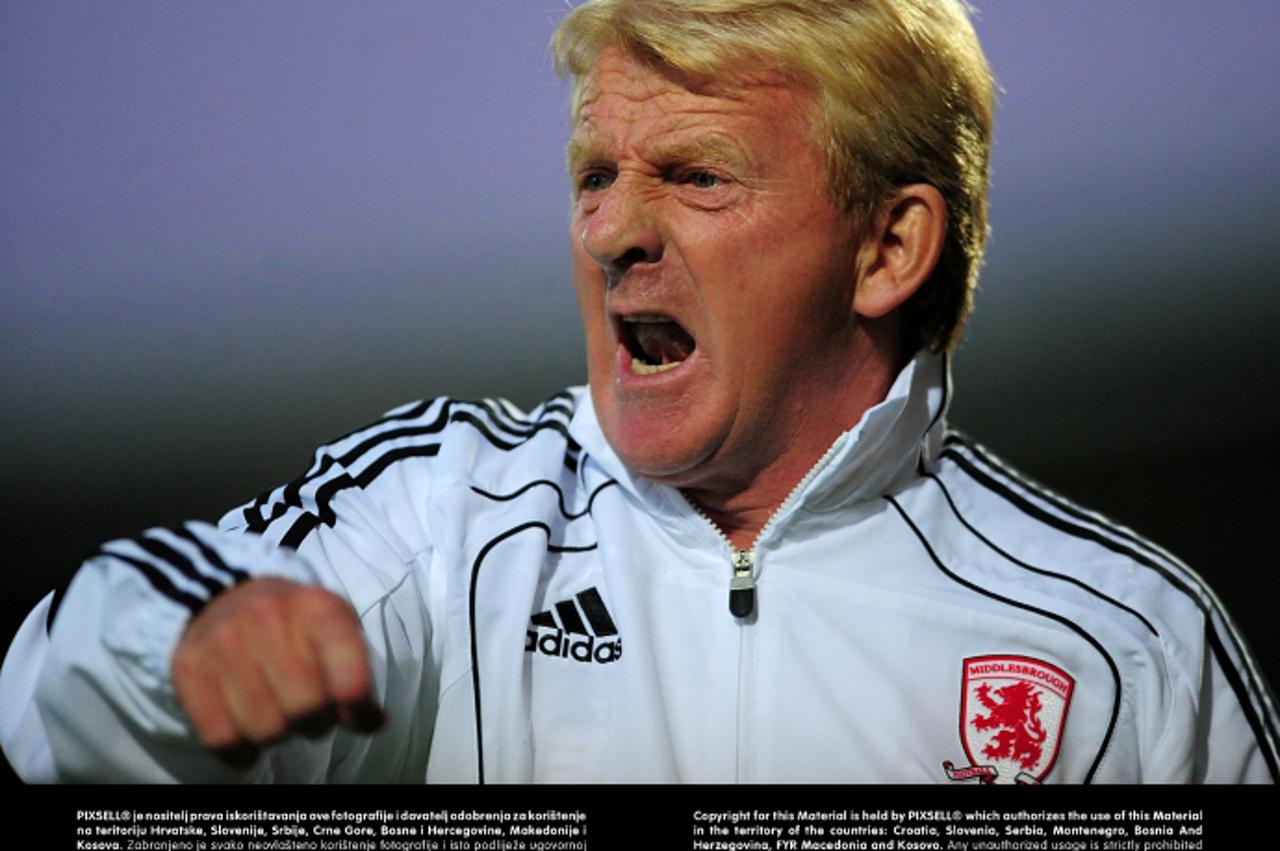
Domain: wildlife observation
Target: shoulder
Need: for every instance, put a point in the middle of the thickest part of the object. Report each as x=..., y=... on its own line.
x=1027, y=523
x=432, y=423
x=410, y=453
x=1115, y=579
x=469, y=435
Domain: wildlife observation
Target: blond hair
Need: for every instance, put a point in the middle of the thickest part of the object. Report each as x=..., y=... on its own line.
x=905, y=94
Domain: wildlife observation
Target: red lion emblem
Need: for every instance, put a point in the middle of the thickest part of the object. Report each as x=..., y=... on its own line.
x=1017, y=716
x=1012, y=710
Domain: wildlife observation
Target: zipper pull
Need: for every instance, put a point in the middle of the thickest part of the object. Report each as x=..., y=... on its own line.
x=742, y=587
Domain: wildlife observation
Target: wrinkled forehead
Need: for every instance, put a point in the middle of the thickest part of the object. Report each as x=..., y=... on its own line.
x=642, y=78
x=672, y=117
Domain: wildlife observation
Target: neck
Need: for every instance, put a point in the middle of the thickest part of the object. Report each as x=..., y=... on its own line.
x=741, y=508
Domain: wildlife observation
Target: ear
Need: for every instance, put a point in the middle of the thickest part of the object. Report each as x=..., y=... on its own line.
x=901, y=249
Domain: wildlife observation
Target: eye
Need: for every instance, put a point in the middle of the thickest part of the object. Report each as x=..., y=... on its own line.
x=702, y=180
x=594, y=181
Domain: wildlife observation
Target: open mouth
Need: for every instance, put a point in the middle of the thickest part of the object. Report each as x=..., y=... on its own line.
x=656, y=343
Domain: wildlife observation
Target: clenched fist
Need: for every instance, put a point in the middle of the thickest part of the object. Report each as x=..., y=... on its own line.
x=270, y=658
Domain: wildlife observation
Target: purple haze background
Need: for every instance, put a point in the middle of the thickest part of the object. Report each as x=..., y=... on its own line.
x=229, y=231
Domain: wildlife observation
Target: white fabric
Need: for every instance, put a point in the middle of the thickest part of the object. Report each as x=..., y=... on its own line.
x=901, y=558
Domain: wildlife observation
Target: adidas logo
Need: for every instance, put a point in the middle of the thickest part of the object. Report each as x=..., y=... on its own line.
x=554, y=632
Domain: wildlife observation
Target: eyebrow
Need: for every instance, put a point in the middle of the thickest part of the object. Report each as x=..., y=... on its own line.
x=579, y=152
x=714, y=148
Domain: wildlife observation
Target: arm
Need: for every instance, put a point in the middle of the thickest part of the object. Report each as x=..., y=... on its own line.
x=1235, y=739
x=240, y=621
x=270, y=659
x=86, y=687
x=1221, y=724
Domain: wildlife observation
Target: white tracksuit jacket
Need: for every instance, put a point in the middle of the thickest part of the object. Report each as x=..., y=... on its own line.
x=535, y=612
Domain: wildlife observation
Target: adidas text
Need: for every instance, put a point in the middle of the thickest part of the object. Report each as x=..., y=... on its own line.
x=584, y=649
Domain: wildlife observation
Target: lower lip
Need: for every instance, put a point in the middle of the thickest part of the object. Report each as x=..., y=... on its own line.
x=655, y=380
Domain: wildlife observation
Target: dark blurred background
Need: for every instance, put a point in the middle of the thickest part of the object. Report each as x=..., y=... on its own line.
x=231, y=231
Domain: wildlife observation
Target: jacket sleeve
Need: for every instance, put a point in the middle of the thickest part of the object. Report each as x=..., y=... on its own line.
x=1237, y=725
x=85, y=687
x=1221, y=721
x=85, y=691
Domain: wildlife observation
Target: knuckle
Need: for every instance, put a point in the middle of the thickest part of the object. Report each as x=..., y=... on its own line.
x=265, y=726
x=214, y=736
x=186, y=662
x=223, y=642
x=352, y=681
x=321, y=604
x=303, y=695
x=263, y=609
x=316, y=723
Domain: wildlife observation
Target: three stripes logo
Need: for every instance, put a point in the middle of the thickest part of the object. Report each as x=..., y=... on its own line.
x=562, y=632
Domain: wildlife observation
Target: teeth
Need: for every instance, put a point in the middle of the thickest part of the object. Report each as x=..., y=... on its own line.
x=646, y=318
x=639, y=367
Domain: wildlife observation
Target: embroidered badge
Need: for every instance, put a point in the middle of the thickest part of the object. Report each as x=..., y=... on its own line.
x=1012, y=709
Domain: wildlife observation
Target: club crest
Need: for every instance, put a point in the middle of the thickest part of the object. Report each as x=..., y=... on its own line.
x=1012, y=711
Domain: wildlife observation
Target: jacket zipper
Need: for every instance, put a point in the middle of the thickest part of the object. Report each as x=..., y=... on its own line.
x=742, y=580
x=742, y=600
x=742, y=585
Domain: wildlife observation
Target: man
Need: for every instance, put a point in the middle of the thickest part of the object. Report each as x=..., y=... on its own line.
x=750, y=552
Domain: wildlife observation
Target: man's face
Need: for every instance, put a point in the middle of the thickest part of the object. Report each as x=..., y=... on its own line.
x=714, y=275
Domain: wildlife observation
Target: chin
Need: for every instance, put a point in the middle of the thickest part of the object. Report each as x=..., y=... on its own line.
x=652, y=454
x=662, y=449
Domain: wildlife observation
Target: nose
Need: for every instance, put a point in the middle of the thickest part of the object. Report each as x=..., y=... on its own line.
x=620, y=232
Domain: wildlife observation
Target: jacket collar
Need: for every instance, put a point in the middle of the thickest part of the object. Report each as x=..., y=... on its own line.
x=878, y=455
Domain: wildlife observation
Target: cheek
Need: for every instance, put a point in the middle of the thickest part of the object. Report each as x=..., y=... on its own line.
x=586, y=295
x=752, y=272
x=812, y=259
x=589, y=291
x=779, y=298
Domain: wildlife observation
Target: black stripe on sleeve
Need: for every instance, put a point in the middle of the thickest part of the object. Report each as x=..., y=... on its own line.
x=412, y=412
x=1261, y=724
x=572, y=453
x=1115, y=671
x=154, y=576
x=1203, y=594
x=482, y=426
x=1233, y=678
x=323, y=513
x=291, y=496
x=161, y=551
x=500, y=418
x=497, y=415
x=521, y=426
x=58, y=594
x=1031, y=509
x=298, y=532
x=161, y=583
x=1043, y=572
x=560, y=403
x=1050, y=497
x=211, y=555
